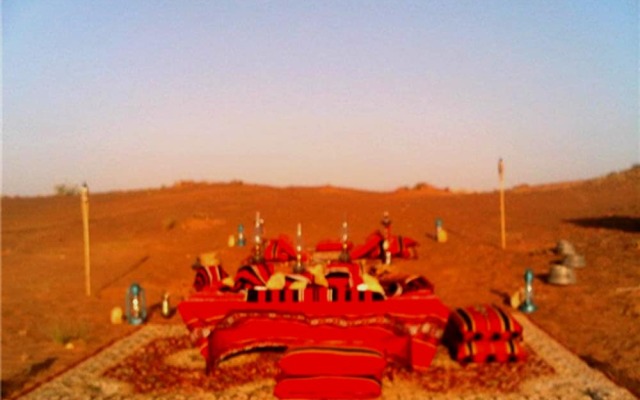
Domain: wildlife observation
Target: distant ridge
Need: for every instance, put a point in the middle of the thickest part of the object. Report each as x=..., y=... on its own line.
x=624, y=176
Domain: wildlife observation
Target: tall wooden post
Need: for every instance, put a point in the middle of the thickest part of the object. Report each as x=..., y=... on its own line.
x=84, y=198
x=502, y=217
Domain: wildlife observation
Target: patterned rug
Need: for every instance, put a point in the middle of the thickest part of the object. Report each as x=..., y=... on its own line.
x=158, y=362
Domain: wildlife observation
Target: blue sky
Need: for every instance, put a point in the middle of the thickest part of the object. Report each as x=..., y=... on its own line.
x=363, y=94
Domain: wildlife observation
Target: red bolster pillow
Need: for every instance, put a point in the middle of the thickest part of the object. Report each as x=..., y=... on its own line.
x=209, y=277
x=280, y=249
x=332, y=361
x=484, y=322
x=485, y=351
x=343, y=274
x=328, y=387
x=250, y=276
x=332, y=245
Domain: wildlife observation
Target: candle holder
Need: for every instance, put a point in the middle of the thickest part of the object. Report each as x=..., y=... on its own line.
x=258, y=232
x=386, y=244
x=299, y=266
x=136, y=305
x=344, y=238
x=166, y=306
x=528, y=306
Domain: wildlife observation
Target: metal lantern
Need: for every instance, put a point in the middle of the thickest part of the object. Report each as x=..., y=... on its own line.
x=241, y=240
x=528, y=306
x=574, y=261
x=136, y=305
x=565, y=248
x=562, y=275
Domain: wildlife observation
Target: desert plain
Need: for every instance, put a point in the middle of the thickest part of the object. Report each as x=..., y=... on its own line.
x=154, y=236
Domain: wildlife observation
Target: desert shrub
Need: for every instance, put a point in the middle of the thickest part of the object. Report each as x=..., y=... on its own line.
x=64, y=332
x=64, y=189
x=169, y=223
x=422, y=186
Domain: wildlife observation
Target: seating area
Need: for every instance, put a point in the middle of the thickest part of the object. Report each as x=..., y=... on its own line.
x=338, y=324
x=405, y=326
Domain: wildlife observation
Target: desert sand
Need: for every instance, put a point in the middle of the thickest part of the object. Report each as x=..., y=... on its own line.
x=154, y=236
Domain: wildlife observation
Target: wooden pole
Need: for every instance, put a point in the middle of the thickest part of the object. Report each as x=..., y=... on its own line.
x=502, y=217
x=84, y=195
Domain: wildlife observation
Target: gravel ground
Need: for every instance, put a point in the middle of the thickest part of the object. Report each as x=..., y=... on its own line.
x=573, y=379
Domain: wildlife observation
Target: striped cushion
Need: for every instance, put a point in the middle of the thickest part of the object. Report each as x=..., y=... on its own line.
x=373, y=247
x=343, y=274
x=332, y=361
x=399, y=285
x=327, y=387
x=250, y=276
x=209, y=277
x=280, y=249
x=484, y=322
x=488, y=351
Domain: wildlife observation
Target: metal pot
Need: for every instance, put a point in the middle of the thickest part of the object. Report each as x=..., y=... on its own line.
x=562, y=275
x=565, y=248
x=574, y=261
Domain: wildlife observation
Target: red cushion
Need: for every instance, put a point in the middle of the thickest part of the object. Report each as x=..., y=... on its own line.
x=250, y=276
x=332, y=245
x=280, y=249
x=209, y=277
x=332, y=361
x=488, y=351
x=328, y=387
x=343, y=274
x=484, y=322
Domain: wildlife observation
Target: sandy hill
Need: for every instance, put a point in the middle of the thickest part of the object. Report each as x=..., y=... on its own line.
x=153, y=237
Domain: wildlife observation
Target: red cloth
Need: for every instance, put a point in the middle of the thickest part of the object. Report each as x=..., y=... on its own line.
x=328, y=387
x=222, y=324
x=239, y=332
x=484, y=322
x=332, y=360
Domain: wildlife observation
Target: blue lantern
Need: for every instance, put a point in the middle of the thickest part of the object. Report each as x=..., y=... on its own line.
x=136, y=305
x=241, y=240
x=528, y=306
